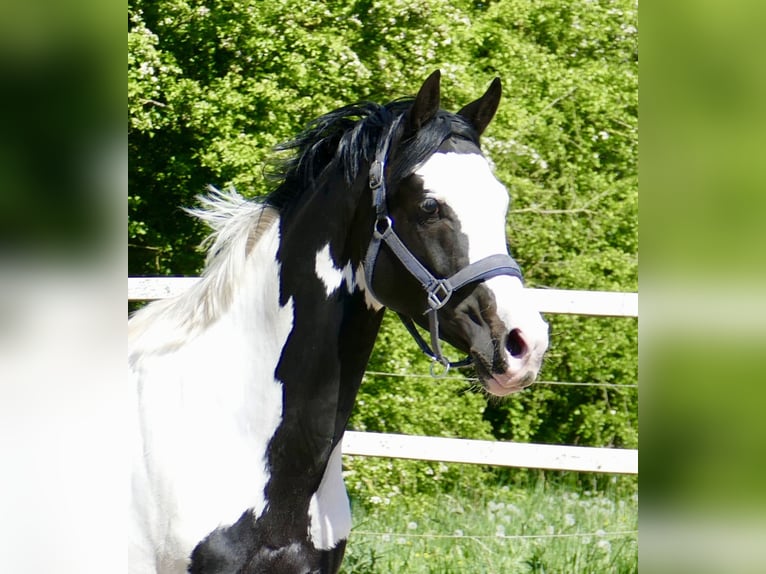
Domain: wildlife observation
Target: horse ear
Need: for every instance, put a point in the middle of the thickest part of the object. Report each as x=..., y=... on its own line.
x=426, y=104
x=480, y=112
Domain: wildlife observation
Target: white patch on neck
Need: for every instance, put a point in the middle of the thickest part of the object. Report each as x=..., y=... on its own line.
x=465, y=182
x=329, y=509
x=331, y=276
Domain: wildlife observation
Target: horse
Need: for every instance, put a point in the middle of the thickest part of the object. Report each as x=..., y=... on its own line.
x=244, y=384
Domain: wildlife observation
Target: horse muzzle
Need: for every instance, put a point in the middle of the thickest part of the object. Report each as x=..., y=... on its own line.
x=506, y=345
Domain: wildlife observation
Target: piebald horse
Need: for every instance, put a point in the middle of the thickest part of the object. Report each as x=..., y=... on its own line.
x=245, y=382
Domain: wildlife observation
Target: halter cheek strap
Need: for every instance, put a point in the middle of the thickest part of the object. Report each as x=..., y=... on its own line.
x=438, y=291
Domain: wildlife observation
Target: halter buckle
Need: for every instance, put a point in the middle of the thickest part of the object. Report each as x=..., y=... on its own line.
x=438, y=295
x=376, y=174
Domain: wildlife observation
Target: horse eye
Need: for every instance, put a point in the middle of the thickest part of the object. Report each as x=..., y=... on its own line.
x=429, y=205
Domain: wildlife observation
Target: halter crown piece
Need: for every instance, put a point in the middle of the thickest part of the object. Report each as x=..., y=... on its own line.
x=438, y=291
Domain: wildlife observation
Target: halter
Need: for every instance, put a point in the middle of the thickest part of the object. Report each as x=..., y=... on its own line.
x=438, y=291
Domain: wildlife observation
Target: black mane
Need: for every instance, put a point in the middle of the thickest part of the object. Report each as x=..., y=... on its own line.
x=350, y=136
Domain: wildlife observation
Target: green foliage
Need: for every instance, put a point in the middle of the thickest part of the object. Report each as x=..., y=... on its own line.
x=213, y=85
x=596, y=350
x=417, y=405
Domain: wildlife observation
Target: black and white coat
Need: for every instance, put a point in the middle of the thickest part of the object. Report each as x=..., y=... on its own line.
x=244, y=384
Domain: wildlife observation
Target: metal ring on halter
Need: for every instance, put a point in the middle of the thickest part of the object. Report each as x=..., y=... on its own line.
x=445, y=366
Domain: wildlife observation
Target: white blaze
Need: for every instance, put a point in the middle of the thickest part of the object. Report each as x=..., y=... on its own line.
x=465, y=183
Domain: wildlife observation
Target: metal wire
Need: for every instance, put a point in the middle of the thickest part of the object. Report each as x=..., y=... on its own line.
x=600, y=534
x=475, y=380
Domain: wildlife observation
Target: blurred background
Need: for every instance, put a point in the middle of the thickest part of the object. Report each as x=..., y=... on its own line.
x=569, y=72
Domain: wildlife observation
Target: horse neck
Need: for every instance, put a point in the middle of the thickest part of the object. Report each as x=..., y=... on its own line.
x=334, y=323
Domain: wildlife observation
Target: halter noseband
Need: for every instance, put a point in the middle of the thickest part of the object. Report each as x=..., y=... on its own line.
x=438, y=291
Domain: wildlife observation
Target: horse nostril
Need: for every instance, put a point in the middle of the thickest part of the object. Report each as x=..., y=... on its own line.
x=515, y=344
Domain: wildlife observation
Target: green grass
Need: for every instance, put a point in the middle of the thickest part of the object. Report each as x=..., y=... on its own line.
x=544, y=528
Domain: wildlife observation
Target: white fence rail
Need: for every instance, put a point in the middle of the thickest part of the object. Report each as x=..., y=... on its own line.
x=520, y=455
x=560, y=301
x=550, y=457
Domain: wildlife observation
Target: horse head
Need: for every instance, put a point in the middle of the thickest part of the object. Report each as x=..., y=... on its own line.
x=438, y=255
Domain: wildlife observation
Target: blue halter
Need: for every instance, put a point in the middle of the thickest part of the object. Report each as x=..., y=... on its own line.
x=438, y=291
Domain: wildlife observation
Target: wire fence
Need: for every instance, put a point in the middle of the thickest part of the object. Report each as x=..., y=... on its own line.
x=476, y=380
x=498, y=536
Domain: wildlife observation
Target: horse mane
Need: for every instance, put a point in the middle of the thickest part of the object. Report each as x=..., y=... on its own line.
x=237, y=224
x=349, y=137
x=346, y=138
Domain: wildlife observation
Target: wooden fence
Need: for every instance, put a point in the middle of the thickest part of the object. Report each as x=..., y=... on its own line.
x=553, y=457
